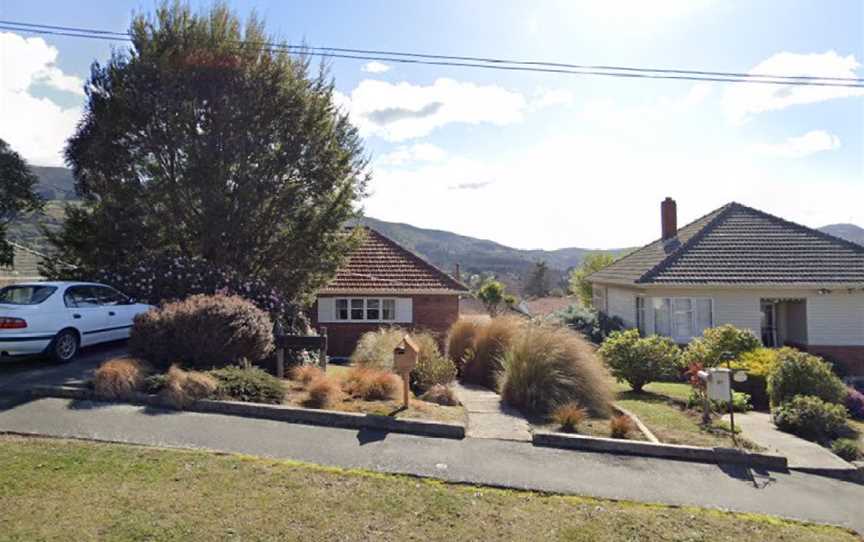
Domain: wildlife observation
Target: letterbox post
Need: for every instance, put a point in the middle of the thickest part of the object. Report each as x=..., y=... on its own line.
x=404, y=360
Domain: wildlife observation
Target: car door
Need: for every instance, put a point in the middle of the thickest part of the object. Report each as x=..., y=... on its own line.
x=119, y=312
x=86, y=313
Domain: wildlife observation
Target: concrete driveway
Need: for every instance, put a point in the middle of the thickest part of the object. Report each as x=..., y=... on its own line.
x=19, y=375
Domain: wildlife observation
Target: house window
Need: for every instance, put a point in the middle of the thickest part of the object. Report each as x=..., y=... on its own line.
x=640, y=315
x=361, y=309
x=598, y=294
x=682, y=318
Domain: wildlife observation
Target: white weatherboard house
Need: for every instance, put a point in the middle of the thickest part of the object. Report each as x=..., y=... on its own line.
x=789, y=284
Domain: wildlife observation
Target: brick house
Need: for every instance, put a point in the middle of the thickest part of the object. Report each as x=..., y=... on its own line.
x=383, y=284
x=789, y=284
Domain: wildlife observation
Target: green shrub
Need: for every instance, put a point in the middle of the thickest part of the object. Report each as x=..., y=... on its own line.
x=740, y=403
x=202, y=332
x=375, y=348
x=483, y=364
x=154, y=383
x=810, y=417
x=799, y=373
x=596, y=326
x=846, y=449
x=638, y=360
x=719, y=344
x=546, y=367
x=432, y=369
x=248, y=384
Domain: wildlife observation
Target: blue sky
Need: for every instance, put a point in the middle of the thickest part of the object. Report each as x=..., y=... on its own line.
x=539, y=160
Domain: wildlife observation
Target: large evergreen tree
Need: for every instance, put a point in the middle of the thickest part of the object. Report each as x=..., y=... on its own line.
x=17, y=195
x=204, y=141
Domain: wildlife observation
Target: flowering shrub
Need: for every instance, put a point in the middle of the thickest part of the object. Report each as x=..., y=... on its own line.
x=170, y=278
x=855, y=403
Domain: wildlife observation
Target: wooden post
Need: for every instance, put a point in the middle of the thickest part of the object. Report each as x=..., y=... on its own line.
x=405, y=385
x=322, y=354
x=280, y=363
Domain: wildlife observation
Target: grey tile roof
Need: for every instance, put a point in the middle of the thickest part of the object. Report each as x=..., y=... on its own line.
x=737, y=244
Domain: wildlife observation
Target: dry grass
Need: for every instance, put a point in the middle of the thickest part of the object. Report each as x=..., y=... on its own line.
x=621, y=426
x=549, y=366
x=371, y=384
x=183, y=388
x=483, y=363
x=323, y=391
x=461, y=339
x=440, y=395
x=119, y=378
x=569, y=416
x=375, y=348
x=306, y=373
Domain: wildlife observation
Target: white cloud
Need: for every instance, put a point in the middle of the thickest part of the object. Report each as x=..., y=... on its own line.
x=375, y=67
x=551, y=98
x=420, y=152
x=744, y=100
x=603, y=187
x=800, y=146
x=401, y=111
x=35, y=127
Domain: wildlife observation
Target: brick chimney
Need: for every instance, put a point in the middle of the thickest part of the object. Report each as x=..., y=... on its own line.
x=668, y=218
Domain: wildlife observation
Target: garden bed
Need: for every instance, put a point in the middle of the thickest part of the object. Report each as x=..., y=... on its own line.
x=297, y=395
x=662, y=408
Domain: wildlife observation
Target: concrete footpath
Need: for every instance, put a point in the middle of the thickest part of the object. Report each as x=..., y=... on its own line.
x=802, y=454
x=477, y=461
x=489, y=417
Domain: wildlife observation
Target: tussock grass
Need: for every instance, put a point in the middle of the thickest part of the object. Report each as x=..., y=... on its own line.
x=183, y=388
x=549, y=366
x=119, y=378
x=323, y=392
x=306, y=373
x=568, y=417
x=371, y=384
x=483, y=364
x=461, y=340
x=621, y=426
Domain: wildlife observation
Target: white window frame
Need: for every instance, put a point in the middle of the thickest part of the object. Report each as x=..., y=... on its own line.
x=670, y=302
x=349, y=302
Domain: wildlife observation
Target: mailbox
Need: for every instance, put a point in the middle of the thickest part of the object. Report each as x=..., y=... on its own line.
x=405, y=355
x=718, y=384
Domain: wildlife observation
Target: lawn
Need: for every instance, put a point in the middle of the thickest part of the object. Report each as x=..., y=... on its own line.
x=423, y=410
x=70, y=490
x=659, y=408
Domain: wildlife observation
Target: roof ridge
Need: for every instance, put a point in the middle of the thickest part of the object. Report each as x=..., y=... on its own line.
x=673, y=256
x=453, y=283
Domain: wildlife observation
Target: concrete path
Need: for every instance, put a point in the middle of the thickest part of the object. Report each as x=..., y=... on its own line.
x=477, y=461
x=802, y=454
x=488, y=417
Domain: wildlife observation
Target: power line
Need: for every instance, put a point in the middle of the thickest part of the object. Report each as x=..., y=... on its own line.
x=476, y=62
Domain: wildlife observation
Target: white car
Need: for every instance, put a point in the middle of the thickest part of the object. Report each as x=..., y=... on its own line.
x=58, y=318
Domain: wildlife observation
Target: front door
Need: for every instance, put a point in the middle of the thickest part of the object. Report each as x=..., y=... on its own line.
x=769, y=323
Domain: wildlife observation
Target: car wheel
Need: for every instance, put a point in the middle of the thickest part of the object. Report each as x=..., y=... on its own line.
x=64, y=347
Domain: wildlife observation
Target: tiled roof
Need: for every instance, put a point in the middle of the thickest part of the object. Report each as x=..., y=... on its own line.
x=381, y=266
x=737, y=244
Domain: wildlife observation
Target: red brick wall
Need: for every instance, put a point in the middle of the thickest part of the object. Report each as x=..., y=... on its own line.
x=849, y=359
x=433, y=313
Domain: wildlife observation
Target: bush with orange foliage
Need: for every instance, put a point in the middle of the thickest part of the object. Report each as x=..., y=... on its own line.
x=183, y=388
x=119, y=378
x=371, y=384
x=306, y=373
x=568, y=416
x=323, y=391
x=621, y=426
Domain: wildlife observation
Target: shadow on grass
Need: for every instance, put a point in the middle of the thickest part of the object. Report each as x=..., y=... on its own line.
x=647, y=396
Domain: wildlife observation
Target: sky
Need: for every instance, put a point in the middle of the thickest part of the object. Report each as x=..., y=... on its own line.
x=535, y=160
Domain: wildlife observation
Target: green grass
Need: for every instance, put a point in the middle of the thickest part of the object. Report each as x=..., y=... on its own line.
x=659, y=408
x=70, y=490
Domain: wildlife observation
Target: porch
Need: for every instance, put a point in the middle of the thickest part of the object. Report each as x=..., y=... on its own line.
x=784, y=322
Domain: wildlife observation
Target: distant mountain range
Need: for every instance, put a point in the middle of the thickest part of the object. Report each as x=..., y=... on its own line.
x=442, y=248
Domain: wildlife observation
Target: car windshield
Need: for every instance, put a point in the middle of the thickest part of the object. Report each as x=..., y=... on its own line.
x=25, y=295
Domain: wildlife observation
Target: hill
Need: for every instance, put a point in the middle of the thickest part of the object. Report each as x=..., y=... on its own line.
x=850, y=232
x=442, y=248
